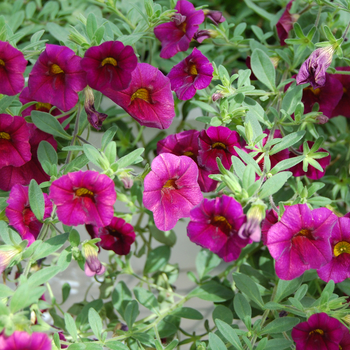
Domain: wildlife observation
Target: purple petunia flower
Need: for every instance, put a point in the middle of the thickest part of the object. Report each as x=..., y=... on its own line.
x=193, y=73
x=20, y=214
x=171, y=189
x=22, y=340
x=148, y=99
x=14, y=141
x=300, y=240
x=57, y=77
x=338, y=269
x=319, y=332
x=92, y=266
x=176, y=35
x=271, y=218
x=345, y=341
x=12, y=67
x=117, y=236
x=285, y=23
x=109, y=65
x=215, y=224
x=313, y=70
x=217, y=142
x=84, y=197
x=343, y=106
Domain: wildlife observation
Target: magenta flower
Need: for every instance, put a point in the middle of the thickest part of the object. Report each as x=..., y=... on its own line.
x=84, y=197
x=176, y=35
x=217, y=142
x=22, y=340
x=14, y=141
x=312, y=172
x=345, y=341
x=319, y=332
x=94, y=117
x=285, y=23
x=214, y=225
x=271, y=218
x=148, y=99
x=300, y=240
x=215, y=16
x=193, y=73
x=201, y=35
x=92, y=266
x=57, y=77
x=117, y=236
x=109, y=65
x=20, y=214
x=171, y=189
x=313, y=70
x=343, y=106
x=12, y=67
x=338, y=269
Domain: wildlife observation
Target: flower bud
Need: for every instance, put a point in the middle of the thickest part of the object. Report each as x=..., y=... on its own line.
x=322, y=119
x=201, y=35
x=7, y=253
x=217, y=95
x=215, y=16
x=95, y=118
x=251, y=229
x=93, y=266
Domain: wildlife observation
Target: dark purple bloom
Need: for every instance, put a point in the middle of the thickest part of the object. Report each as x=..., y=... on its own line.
x=171, y=189
x=338, y=269
x=20, y=214
x=319, y=332
x=14, y=141
x=285, y=23
x=148, y=99
x=84, y=197
x=249, y=66
x=109, y=65
x=300, y=240
x=117, y=236
x=176, y=35
x=12, y=67
x=313, y=70
x=57, y=77
x=215, y=16
x=214, y=224
x=193, y=73
x=217, y=142
x=24, y=341
x=92, y=266
x=94, y=117
x=343, y=106
x=345, y=342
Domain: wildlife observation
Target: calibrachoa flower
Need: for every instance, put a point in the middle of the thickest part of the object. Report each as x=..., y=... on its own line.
x=92, y=266
x=171, y=189
x=271, y=218
x=320, y=331
x=57, y=77
x=24, y=341
x=193, y=73
x=176, y=35
x=300, y=240
x=94, y=117
x=313, y=70
x=109, y=65
x=285, y=23
x=343, y=106
x=214, y=225
x=117, y=236
x=14, y=141
x=345, y=341
x=20, y=214
x=84, y=197
x=12, y=67
x=217, y=142
x=148, y=99
x=215, y=16
x=338, y=269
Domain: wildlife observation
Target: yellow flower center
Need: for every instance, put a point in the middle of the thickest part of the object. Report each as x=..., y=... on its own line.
x=2, y=63
x=319, y=331
x=109, y=60
x=40, y=106
x=170, y=184
x=5, y=135
x=345, y=90
x=222, y=223
x=142, y=94
x=188, y=154
x=316, y=92
x=84, y=192
x=182, y=26
x=56, y=69
x=193, y=69
x=341, y=248
x=218, y=145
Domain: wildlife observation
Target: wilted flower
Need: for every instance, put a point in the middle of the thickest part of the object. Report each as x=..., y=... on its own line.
x=84, y=197
x=217, y=96
x=214, y=225
x=343, y=106
x=171, y=189
x=7, y=253
x=215, y=16
x=148, y=99
x=313, y=70
x=320, y=331
x=251, y=229
x=57, y=77
x=285, y=23
x=93, y=266
x=22, y=340
x=300, y=240
x=109, y=65
x=203, y=34
x=176, y=35
x=95, y=118
x=193, y=73
x=12, y=67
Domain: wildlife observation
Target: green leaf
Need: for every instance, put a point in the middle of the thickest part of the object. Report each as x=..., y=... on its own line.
x=263, y=69
x=157, y=259
x=144, y=338
x=5, y=291
x=187, y=312
x=166, y=237
x=248, y=160
x=286, y=288
x=46, y=122
x=82, y=317
x=24, y=296
x=282, y=324
x=286, y=164
x=47, y=155
x=131, y=158
x=243, y=309
x=223, y=313
x=116, y=345
x=5, y=102
x=50, y=246
x=212, y=291
x=131, y=313
x=71, y=326
x=274, y=184
x=95, y=323
x=261, y=12
x=121, y=296
x=76, y=164
x=216, y=343
x=279, y=344
x=205, y=262
x=172, y=345
x=91, y=25
x=36, y=200
x=248, y=176
x=287, y=141
x=77, y=346
x=43, y=276
x=108, y=136
x=146, y=298
x=292, y=98
x=229, y=333
x=96, y=157
x=246, y=285
x=65, y=291
x=204, y=106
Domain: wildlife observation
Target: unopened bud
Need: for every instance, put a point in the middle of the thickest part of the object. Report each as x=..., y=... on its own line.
x=215, y=16
x=201, y=35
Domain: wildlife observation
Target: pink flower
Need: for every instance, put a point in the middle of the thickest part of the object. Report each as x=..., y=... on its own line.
x=148, y=99
x=84, y=197
x=117, y=236
x=20, y=214
x=215, y=224
x=271, y=218
x=193, y=73
x=176, y=35
x=57, y=77
x=22, y=340
x=12, y=67
x=215, y=16
x=285, y=23
x=92, y=266
x=171, y=189
x=343, y=106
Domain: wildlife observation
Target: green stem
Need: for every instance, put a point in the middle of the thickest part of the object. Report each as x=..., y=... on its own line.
x=76, y=130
